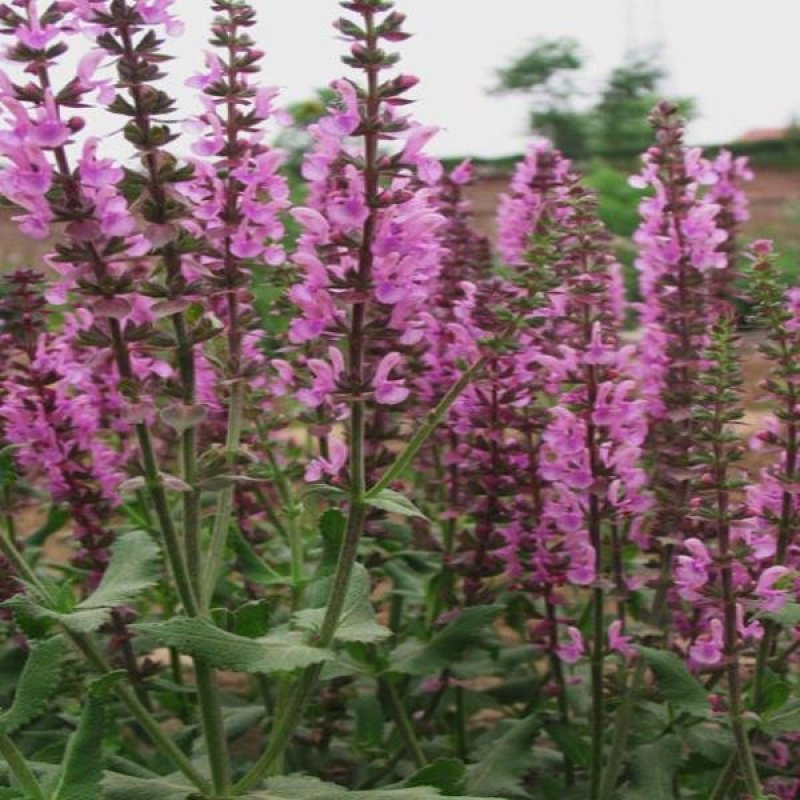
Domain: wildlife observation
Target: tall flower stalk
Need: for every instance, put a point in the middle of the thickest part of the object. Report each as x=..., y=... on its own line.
x=679, y=242
x=367, y=252
x=718, y=451
x=771, y=499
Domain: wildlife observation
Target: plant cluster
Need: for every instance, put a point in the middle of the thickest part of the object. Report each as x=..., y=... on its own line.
x=311, y=498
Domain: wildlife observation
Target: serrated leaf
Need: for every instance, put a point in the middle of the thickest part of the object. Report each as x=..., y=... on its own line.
x=675, y=681
x=653, y=768
x=789, y=615
x=574, y=746
x=448, y=775
x=331, y=527
x=37, y=683
x=395, y=503
x=82, y=766
x=132, y=569
x=508, y=758
x=126, y=787
x=464, y=632
x=279, y=652
x=784, y=720
x=253, y=567
x=357, y=622
x=302, y=788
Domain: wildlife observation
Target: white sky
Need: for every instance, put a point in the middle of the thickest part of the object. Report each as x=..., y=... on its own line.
x=739, y=58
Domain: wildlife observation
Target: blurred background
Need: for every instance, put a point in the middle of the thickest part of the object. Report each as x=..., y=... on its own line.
x=583, y=72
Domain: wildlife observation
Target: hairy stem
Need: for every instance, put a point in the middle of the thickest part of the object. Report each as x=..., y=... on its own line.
x=404, y=725
x=20, y=769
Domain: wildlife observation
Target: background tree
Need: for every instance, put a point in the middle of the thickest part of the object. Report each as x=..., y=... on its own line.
x=611, y=121
x=546, y=74
x=619, y=118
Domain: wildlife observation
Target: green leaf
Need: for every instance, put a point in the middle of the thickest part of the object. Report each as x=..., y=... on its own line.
x=127, y=787
x=675, y=682
x=395, y=503
x=653, y=768
x=357, y=622
x=506, y=761
x=574, y=746
x=132, y=569
x=37, y=683
x=82, y=767
x=784, y=720
x=253, y=567
x=331, y=527
x=279, y=652
x=466, y=631
x=448, y=775
x=302, y=788
x=789, y=615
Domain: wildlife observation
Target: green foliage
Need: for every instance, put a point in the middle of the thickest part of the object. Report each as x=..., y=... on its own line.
x=653, y=769
x=283, y=651
x=357, y=621
x=448, y=775
x=133, y=568
x=38, y=682
x=505, y=761
x=292, y=788
x=675, y=682
x=543, y=69
x=128, y=787
x=620, y=116
x=82, y=768
x=394, y=503
x=467, y=630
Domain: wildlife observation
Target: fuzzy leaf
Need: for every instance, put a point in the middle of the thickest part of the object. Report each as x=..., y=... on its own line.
x=675, y=682
x=128, y=787
x=38, y=681
x=132, y=569
x=783, y=720
x=301, y=788
x=448, y=775
x=82, y=767
x=357, y=622
x=652, y=769
x=279, y=652
x=395, y=503
x=506, y=761
x=464, y=632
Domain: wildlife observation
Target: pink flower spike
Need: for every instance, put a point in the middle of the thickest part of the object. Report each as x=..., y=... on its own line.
x=389, y=392
x=619, y=642
x=571, y=652
x=772, y=599
x=333, y=465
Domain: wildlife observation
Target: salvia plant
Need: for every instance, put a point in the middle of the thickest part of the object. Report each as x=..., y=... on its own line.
x=306, y=494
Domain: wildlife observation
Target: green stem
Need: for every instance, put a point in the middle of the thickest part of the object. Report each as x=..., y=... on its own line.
x=222, y=518
x=148, y=723
x=423, y=433
x=557, y=671
x=403, y=723
x=20, y=769
x=93, y=655
x=622, y=729
x=461, y=724
x=726, y=778
x=597, y=660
